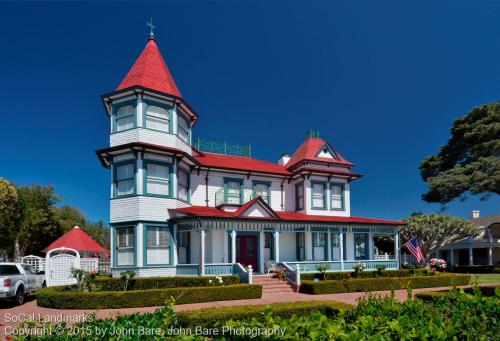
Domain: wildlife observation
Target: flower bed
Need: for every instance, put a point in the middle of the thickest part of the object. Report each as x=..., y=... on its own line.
x=62, y=298
x=387, y=283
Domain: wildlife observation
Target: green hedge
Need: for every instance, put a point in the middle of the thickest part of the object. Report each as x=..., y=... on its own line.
x=486, y=290
x=475, y=269
x=117, y=284
x=366, y=274
x=209, y=317
x=57, y=297
x=387, y=283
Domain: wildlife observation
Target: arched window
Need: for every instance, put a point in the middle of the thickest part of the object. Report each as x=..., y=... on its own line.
x=157, y=118
x=125, y=118
x=183, y=128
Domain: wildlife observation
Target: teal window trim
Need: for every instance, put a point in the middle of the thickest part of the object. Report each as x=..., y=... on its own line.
x=114, y=109
x=325, y=247
x=298, y=236
x=122, y=163
x=167, y=106
x=182, y=169
x=297, y=208
x=115, y=246
x=342, y=185
x=188, y=248
x=226, y=180
x=145, y=163
x=324, y=195
x=261, y=182
x=367, y=246
x=145, y=244
x=273, y=240
x=183, y=116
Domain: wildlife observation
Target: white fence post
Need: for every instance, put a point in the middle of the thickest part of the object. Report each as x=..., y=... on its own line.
x=297, y=277
x=250, y=274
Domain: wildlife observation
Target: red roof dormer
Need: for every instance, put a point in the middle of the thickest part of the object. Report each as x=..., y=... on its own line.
x=150, y=71
x=311, y=150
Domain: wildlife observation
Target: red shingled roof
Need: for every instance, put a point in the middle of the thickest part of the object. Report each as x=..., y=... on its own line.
x=204, y=211
x=309, y=150
x=76, y=239
x=239, y=163
x=150, y=71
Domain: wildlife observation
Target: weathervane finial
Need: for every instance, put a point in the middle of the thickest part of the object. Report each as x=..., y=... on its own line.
x=152, y=27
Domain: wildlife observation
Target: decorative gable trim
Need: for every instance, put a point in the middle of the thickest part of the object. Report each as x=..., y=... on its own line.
x=326, y=151
x=257, y=201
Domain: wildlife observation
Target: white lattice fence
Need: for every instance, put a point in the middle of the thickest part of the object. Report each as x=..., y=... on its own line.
x=37, y=262
x=89, y=264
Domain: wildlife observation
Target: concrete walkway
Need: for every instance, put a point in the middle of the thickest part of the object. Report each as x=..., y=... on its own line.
x=8, y=313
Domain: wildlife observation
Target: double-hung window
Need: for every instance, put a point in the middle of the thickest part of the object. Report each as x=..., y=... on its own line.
x=157, y=118
x=337, y=196
x=319, y=245
x=158, y=245
x=361, y=245
x=125, y=246
x=124, y=179
x=182, y=184
x=299, y=197
x=183, y=128
x=318, y=195
x=262, y=189
x=157, y=178
x=233, y=192
x=124, y=118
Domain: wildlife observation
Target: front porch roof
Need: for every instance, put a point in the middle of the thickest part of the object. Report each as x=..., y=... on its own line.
x=215, y=213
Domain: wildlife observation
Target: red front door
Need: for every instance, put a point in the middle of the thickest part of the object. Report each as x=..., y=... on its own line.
x=246, y=251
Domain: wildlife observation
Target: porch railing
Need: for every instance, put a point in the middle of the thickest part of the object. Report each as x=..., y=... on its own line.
x=245, y=275
x=216, y=269
x=292, y=275
x=347, y=265
x=187, y=270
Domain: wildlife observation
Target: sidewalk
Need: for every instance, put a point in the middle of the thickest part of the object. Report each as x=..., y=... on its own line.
x=31, y=309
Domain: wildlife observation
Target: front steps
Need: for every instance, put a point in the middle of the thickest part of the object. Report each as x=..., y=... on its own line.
x=272, y=285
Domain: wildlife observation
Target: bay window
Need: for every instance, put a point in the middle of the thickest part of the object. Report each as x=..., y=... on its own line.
x=125, y=253
x=157, y=178
x=318, y=195
x=158, y=245
x=337, y=197
x=124, y=118
x=182, y=184
x=124, y=179
x=183, y=128
x=157, y=118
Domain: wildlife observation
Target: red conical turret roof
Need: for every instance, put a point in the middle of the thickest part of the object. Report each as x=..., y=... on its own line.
x=76, y=239
x=150, y=71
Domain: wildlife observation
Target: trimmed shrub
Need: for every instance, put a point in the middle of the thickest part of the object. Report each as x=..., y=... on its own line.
x=117, y=284
x=475, y=269
x=388, y=283
x=366, y=274
x=57, y=297
x=209, y=317
x=487, y=290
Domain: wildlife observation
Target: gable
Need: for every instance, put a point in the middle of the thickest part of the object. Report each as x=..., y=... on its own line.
x=256, y=208
x=326, y=152
x=256, y=211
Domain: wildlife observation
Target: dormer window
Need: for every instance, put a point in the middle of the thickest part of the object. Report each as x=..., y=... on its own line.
x=337, y=197
x=183, y=128
x=318, y=195
x=124, y=118
x=233, y=192
x=157, y=118
x=262, y=189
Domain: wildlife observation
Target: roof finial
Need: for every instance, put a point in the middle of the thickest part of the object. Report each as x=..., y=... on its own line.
x=152, y=27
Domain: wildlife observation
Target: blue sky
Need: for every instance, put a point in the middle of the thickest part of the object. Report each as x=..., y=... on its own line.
x=382, y=81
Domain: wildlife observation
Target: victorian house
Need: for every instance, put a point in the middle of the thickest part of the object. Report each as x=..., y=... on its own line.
x=185, y=206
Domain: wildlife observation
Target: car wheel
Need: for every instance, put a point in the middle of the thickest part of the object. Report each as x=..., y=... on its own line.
x=19, y=296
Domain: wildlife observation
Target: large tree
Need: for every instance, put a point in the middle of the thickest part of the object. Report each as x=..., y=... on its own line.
x=436, y=230
x=470, y=161
x=10, y=213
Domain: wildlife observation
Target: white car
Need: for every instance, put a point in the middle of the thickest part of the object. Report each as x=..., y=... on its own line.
x=18, y=280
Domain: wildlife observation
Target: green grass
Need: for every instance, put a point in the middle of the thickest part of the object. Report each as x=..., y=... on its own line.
x=486, y=278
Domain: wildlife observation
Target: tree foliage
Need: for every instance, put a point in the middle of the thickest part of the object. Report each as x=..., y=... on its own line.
x=436, y=230
x=10, y=212
x=470, y=161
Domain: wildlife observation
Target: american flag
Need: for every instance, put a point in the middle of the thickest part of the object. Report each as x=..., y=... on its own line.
x=413, y=245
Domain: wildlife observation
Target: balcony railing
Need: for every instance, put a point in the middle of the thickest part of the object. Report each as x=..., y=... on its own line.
x=222, y=147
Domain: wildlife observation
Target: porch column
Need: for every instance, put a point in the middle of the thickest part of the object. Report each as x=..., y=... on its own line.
x=341, y=243
x=276, y=246
x=233, y=246
x=471, y=256
x=490, y=256
x=202, y=253
x=452, y=257
x=329, y=246
x=370, y=246
x=396, y=249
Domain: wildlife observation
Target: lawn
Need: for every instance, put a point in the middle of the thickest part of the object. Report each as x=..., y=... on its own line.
x=486, y=278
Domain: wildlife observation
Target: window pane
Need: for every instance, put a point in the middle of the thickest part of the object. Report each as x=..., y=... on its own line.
x=125, y=245
x=158, y=245
x=125, y=171
x=125, y=187
x=183, y=130
x=157, y=118
x=127, y=110
x=360, y=246
x=263, y=191
x=233, y=192
x=183, y=182
x=337, y=197
x=158, y=112
x=125, y=123
x=157, y=179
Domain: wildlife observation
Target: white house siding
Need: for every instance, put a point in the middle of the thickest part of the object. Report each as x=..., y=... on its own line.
x=143, y=208
x=149, y=136
x=288, y=247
